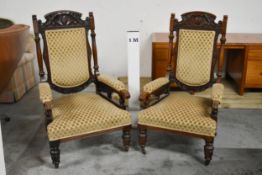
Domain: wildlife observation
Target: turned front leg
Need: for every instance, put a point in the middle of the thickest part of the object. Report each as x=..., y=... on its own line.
x=55, y=152
x=142, y=139
x=208, y=148
x=126, y=137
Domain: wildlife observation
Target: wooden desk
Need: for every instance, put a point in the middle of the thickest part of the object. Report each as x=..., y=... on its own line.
x=243, y=54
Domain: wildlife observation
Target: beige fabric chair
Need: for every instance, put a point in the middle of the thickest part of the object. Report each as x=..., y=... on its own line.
x=23, y=78
x=192, y=63
x=68, y=57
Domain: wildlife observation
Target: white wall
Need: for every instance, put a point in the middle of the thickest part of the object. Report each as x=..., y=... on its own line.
x=115, y=17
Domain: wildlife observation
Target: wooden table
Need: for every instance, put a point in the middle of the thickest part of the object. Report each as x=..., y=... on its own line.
x=243, y=52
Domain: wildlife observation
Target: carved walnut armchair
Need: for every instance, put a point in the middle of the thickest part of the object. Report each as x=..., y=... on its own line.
x=191, y=68
x=68, y=57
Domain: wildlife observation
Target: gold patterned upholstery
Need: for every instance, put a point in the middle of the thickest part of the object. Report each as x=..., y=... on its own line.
x=191, y=67
x=84, y=113
x=181, y=112
x=217, y=92
x=155, y=84
x=112, y=82
x=67, y=51
x=45, y=92
x=194, y=57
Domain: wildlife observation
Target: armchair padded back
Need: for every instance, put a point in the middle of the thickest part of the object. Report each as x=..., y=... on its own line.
x=66, y=49
x=194, y=59
x=196, y=52
x=67, y=54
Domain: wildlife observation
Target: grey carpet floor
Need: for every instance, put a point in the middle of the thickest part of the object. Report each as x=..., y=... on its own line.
x=238, y=147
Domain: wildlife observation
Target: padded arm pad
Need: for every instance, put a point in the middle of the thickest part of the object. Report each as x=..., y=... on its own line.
x=45, y=92
x=155, y=84
x=217, y=92
x=112, y=82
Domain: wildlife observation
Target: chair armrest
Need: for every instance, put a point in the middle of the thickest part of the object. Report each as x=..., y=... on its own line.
x=118, y=86
x=45, y=93
x=155, y=87
x=217, y=93
x=46, y=97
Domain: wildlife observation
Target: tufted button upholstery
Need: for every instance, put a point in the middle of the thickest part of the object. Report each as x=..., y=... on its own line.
x=68, y=56
x=112, y=82
x=181, y=112
x=155, y=84
x=194, y=57
x=217, y=92
x=45, y=92
x=84, y=113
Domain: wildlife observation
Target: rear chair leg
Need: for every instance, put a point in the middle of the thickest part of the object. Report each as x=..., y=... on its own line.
x=126, y=137
x=55, y=152
x=142, y=139
x=208, y=148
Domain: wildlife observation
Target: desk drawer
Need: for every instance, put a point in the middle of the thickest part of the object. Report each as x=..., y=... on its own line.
x=160, y=60
x=255, y=52
x=161, y=54
x=254, y=73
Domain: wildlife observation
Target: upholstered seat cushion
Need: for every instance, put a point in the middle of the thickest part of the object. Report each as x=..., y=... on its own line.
x=84, y=113
x=181, y=112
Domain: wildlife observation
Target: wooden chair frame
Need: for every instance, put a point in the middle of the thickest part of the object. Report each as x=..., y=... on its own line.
x=195, y=20
x=70, y=19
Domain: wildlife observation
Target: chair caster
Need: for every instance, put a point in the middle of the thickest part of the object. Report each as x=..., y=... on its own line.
x=126, y=148
x=207, y=162
x=143, y=150
x=56, y=165
x=7, y=119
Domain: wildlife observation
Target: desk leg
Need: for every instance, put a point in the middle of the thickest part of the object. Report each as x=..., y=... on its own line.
x=236, y=68
x=244, y=70
x=220, y=64
x=241, y=90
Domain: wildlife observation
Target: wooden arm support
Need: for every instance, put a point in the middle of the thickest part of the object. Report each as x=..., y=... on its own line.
x=214, y=111
x=123, y=93
x=158, y=87
x=48, y=112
